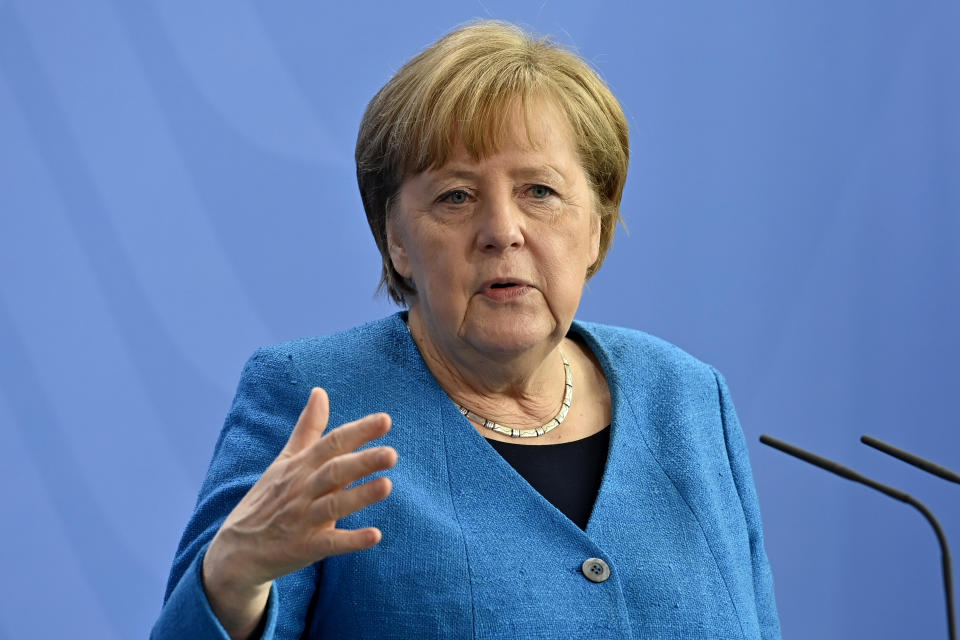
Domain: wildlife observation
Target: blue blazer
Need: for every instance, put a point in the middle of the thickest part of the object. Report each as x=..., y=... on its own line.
x=469, y=548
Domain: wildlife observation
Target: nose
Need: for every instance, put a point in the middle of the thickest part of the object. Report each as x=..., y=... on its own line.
x=500, y=225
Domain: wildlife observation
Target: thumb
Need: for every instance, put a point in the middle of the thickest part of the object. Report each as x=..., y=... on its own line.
x=312, y=422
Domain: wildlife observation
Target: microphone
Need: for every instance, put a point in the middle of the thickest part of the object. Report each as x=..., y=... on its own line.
x=850, y=474
x=911, y=458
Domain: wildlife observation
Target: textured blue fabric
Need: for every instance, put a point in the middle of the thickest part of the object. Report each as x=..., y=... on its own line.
x=470, y=549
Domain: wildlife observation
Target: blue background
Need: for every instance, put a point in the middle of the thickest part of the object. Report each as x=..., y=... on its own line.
x=177, y=188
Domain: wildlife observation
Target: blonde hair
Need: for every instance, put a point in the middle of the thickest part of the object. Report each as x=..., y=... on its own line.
x=462, y=89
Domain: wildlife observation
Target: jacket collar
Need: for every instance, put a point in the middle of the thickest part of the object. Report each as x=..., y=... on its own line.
x=484, y=481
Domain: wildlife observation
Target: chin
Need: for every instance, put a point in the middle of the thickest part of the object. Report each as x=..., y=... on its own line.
x=508, y=336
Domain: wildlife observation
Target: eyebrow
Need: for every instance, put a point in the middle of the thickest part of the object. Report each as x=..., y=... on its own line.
x=453, y=172
x=546, y=172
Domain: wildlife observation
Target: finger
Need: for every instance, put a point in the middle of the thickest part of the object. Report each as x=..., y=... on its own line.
x=311, y=423
x=350, y=436
x=342, y=470
x=340, y=504
x=336, y=541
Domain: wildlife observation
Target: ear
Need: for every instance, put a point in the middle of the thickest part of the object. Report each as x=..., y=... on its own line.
x=594, y=239
x=398, y=253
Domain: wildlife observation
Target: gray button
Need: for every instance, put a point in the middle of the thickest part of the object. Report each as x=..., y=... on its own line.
x=595, y=569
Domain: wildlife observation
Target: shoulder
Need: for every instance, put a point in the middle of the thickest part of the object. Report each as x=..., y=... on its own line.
x=359, y=348
x=360, y=368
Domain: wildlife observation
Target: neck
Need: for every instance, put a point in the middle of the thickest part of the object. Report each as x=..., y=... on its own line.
x=518, y=389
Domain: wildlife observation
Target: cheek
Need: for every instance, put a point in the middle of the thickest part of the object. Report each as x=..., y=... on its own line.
x=440, y=269
x=583, y=244
x=565, y=270
x=411, y=248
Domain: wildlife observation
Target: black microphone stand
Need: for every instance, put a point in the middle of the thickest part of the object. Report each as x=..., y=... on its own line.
x=850, y=474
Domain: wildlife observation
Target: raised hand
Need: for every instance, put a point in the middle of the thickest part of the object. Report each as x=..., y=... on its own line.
x=287, y=520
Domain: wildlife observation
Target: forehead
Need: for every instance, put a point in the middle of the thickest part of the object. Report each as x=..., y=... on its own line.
x=528, y=135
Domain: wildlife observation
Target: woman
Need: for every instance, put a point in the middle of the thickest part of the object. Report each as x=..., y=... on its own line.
x=547, y=478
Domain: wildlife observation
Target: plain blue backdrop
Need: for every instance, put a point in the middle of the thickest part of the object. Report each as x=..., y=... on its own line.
x=177, y=188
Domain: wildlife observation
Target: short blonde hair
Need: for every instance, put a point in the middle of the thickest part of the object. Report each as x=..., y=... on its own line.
x=462, y=89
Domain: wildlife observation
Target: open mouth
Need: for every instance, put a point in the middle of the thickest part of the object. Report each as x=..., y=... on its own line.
x=506, y=290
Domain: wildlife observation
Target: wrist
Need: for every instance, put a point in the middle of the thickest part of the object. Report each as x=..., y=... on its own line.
x=238, y=604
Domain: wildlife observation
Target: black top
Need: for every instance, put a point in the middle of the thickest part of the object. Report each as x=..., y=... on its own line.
x=567, y=474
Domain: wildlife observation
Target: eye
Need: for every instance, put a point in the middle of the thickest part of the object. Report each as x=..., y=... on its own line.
x=539, y=191
x=457, y=196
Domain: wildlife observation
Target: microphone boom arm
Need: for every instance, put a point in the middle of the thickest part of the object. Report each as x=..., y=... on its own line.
x=850, y=474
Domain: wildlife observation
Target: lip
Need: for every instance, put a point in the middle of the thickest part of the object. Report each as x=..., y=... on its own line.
x=520, y=282
x=519, y=289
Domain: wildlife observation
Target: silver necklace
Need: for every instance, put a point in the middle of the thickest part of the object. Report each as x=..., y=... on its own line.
x=539, y=431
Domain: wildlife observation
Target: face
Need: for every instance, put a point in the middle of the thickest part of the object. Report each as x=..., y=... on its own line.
x=498, y=248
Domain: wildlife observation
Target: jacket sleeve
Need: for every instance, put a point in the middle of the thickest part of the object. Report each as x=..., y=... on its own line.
x=743, y=479
x=269, y=398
